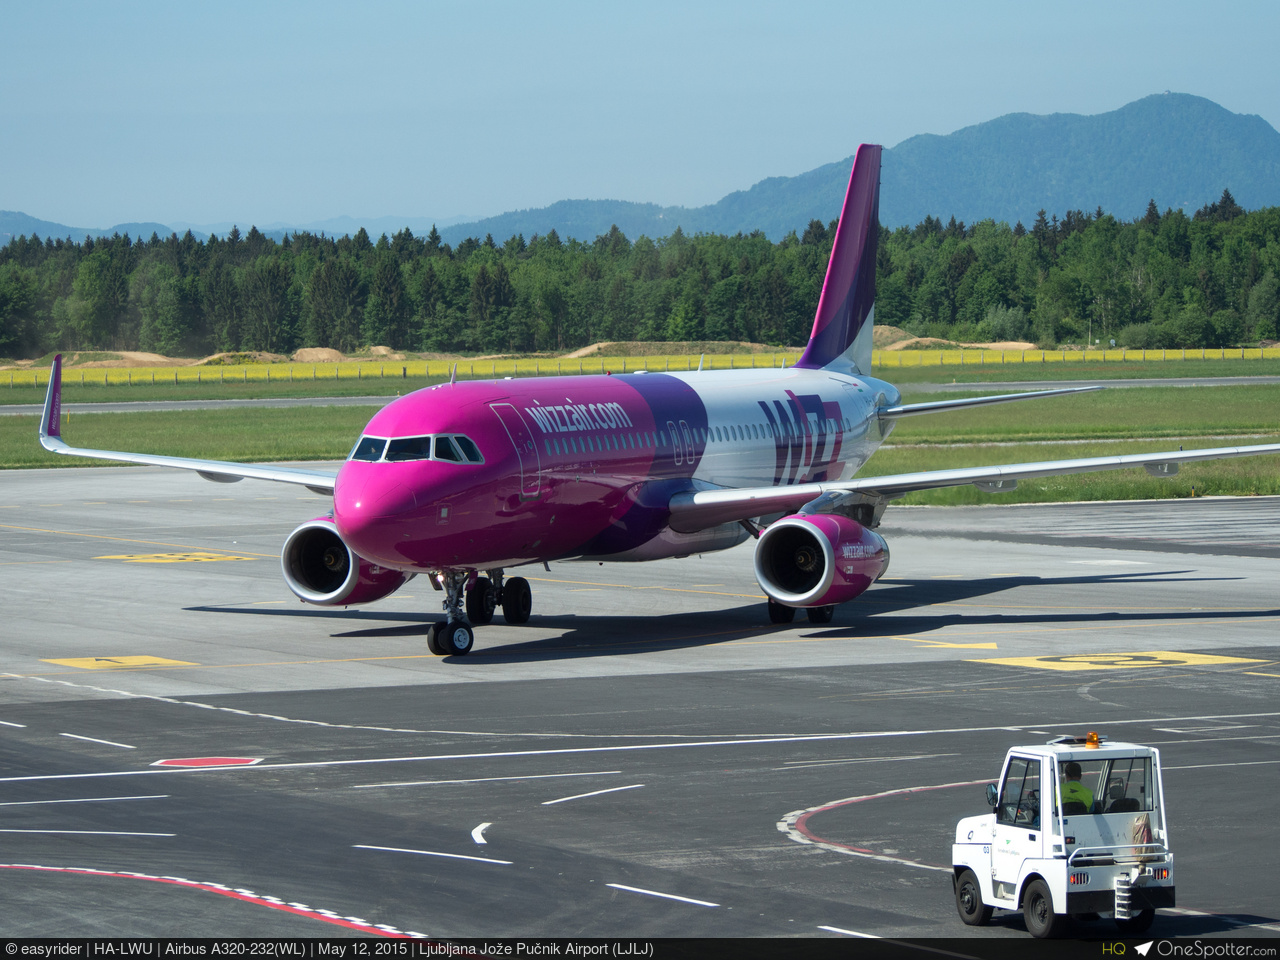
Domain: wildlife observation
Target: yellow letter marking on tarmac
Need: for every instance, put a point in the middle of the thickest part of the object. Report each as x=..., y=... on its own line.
x=173, y=557
x=118, y=663
x=1117, y=661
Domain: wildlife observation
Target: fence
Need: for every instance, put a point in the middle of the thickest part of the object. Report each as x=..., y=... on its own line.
x=532, y=367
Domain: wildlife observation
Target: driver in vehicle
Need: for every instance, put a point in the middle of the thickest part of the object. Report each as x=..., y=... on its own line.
x=1073, y=790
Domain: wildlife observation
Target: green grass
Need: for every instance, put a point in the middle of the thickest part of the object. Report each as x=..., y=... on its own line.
x=254, y=434
x=1079, y=370
x=1246, y=476
x=1120, y=412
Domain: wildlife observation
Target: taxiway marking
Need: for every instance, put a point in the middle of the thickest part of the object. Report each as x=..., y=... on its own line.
x=98, y=536
x=478, y=833
x=109, y=743
x=116, y=663
x=431, y=853
x=664, y=896
x=33, y=803
x=1117, y=661
x=593, y=793
x=246, y=896
x=628, y=748
x=536, y=776
x=195, y=557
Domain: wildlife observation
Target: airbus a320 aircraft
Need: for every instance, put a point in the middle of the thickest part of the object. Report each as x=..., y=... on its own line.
x=464, y=480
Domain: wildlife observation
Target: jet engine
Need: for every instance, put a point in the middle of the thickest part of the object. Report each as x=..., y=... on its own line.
x=320, y=568
x=812, y=560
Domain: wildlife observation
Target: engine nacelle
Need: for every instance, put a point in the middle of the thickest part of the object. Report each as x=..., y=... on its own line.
x=812, y=560
x=320, y=568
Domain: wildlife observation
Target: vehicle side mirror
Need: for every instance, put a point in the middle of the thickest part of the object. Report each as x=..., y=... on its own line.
x=992, y=794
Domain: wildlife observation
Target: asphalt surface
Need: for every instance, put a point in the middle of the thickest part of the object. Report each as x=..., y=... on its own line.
x=630, y=763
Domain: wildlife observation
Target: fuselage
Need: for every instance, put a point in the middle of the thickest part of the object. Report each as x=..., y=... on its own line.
x=485, y=474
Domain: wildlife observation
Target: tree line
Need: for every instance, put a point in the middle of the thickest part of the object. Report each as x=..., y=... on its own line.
x=1163, y=280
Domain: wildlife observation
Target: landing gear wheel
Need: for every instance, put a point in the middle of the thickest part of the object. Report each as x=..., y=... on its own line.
x=517, y=600
x=481, y=601
x=780, y=613
x=1037, y=912
x=433, y=638
x=973, y=911
x=1137, y=924
x=821, y=614
x=457, y=638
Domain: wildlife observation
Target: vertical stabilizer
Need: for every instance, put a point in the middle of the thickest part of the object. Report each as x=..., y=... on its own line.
x=841, y=336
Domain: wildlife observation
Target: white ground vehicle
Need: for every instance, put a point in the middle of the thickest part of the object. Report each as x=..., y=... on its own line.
x=1077, y=828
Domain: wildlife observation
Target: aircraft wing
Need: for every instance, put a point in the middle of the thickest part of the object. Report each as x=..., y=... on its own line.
x=697, y=510
x=939, y=406
x=220, y=471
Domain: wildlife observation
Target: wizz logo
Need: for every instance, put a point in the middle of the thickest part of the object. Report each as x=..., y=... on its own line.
x=806, y=434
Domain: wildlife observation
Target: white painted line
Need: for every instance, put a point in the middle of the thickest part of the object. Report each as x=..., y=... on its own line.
x=683, y=745
x=96, y=833
x=536, y=776
x=1243, y=763
x=430, y=853
x=665, y=896
x=1230, y=921
x=800, y=764
x=109, y=743
x=911, y=946
x=32, y=803
x=851, y=933
x=593, y=793
x=6, y=723
x=478, y=833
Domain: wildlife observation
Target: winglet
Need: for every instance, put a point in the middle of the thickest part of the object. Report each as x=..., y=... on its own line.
x=52, y=405
x=842, y=326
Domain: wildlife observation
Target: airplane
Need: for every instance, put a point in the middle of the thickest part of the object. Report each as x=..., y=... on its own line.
x=463, y=480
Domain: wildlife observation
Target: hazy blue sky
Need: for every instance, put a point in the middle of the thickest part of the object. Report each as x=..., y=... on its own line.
x=263, y=112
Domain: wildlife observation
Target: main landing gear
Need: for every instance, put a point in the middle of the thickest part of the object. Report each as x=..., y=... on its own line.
x=466, y=608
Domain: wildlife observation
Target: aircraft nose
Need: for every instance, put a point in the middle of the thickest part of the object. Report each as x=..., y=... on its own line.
x=366, y=509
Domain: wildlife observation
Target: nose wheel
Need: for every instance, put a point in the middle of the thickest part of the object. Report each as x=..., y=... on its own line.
x=463, y=607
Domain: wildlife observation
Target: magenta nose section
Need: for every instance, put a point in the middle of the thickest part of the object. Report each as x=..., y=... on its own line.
x=368, y=505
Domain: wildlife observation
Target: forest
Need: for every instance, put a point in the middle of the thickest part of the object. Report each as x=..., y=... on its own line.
x=1164, y=280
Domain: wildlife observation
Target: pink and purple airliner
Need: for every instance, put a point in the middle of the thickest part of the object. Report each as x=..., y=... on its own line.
x=464, y=481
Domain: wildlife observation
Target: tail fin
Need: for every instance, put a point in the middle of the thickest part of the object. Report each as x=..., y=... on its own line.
x=49, y=428
x=842, y=327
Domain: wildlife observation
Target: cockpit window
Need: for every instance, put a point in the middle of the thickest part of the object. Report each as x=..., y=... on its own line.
x=445, y=450
x=409, y=448
x=368, y=448
x=469, y=449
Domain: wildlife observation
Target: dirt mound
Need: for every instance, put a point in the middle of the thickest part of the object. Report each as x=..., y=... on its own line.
x=317, y=355
x=934, y=343
x=239, y=358
x=385, y=352
x=883, y=337
x=659, y=348
x=136, y=358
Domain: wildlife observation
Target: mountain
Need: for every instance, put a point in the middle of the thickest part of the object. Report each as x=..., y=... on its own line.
x=1177, y=149
x=14, y=223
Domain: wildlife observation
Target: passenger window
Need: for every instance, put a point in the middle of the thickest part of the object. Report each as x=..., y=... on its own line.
x=368, y=449
x=445, y=450
x=409, y=448
x=471, y=451
x=1129, y=786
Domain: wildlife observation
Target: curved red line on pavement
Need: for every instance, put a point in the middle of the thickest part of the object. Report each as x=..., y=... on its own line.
x=209, y=888
x=802, y=821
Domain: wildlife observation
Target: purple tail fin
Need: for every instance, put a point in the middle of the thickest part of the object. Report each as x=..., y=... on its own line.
x=52, y=402
x=842, y=326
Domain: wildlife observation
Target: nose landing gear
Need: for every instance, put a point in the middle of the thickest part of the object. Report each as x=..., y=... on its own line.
x=455, y=636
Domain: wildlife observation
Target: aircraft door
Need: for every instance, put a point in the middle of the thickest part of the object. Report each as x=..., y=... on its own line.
x=526, y=449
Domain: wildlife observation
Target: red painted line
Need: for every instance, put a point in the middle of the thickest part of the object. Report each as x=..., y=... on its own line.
x=245, y=896
x=802, y=827
x=209, y=762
